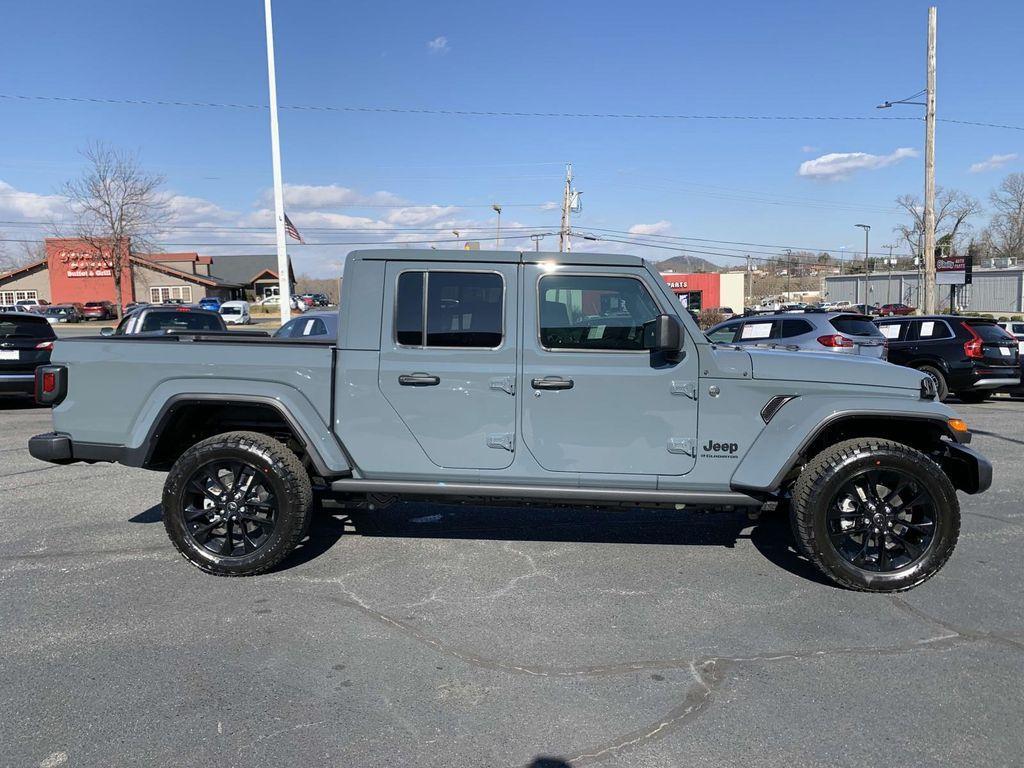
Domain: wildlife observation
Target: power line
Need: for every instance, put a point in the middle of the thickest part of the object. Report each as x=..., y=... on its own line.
x=475, y=113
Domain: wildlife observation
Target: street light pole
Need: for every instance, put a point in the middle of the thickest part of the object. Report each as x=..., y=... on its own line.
x=536, y=241
x=283, y=273
x=888, y=282
x=867, y=229
x=497, y=243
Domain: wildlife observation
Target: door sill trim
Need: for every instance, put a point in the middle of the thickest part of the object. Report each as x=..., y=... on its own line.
x=553, y=492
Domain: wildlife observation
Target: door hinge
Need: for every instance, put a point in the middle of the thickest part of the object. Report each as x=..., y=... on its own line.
x=505, y=384
x=685, y=388
x=684, y=445
x=505, y=440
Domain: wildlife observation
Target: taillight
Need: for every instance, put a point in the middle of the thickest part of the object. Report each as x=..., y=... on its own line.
x=51, y=384
x=975, y=348
x=184, y=309
x=44, y=345
x=835, y=340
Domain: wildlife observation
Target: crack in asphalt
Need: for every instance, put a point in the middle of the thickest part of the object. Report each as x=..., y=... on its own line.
x=708, y=671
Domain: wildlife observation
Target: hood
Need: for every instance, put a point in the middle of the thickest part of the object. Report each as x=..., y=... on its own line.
x=831, y=368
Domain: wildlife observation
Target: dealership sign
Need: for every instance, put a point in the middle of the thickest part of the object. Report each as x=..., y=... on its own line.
x=952, y=270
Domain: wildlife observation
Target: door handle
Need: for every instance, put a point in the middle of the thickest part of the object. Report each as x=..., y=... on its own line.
x=418, y=380
x=552, y=382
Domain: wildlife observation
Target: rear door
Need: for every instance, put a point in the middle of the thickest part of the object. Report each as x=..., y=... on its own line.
x=897, y=335
x=25, y=342
x=867, y=339
x=448, y=360
x=998, y=346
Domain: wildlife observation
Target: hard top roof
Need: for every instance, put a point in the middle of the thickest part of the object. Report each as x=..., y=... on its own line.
x=581, y=258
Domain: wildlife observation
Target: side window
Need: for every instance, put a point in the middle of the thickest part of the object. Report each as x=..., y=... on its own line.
x=795, y=327
x=759, y=330
x=932, y=330
x=725, y=334
x=894, y=331
x=288, y=329
x=450, y=309
x=594, y=312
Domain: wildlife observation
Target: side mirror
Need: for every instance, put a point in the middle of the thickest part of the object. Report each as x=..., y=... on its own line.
x=664, y=334
x=106, y=331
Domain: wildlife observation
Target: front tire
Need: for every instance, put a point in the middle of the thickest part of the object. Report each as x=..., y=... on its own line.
x=875, y=515
x=237, y=504
x=941, y=387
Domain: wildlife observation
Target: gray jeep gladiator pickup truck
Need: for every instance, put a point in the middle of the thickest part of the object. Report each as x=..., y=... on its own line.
x=562, y=378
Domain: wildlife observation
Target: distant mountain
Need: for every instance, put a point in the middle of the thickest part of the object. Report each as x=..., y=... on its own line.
x=687, y=264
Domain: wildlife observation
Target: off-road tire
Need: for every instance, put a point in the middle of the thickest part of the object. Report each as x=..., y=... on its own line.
x=820, y=481
x=941, y=387
x=285, y=473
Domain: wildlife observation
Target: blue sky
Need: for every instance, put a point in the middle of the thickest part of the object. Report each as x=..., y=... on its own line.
x=720, y=180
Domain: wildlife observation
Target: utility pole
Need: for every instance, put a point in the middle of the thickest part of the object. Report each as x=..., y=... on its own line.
x=867, y=229
x=929, y=173
x=283, y=273
x=888, y=282
x=789, y=275
x=497, y=239
x=564, y=243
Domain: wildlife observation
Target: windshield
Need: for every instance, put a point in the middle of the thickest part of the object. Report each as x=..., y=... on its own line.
x=18, y=328
x=231, y=310
x=855, y=325
x=180, y=321
x=988, y=331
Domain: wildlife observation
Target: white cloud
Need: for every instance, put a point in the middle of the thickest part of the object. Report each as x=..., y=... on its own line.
x=438, y=45
x=658, y=228
x=314, y=196
x=550, y=205
x=836, y=166
x=15, y=204
x=993, y=163
x=419, y=215
x=808, y=149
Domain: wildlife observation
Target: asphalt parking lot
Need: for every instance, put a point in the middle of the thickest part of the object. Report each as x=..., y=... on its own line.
x=505, y=636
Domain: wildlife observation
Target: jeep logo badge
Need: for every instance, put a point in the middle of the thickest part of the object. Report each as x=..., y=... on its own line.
x=714, y=447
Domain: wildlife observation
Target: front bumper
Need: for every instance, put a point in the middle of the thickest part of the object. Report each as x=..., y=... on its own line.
x=967, y=469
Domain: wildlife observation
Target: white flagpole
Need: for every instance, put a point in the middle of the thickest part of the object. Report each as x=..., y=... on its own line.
x=284, y=275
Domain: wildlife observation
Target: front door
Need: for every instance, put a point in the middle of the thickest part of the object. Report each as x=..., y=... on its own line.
x=448, y=360
x=594, y=400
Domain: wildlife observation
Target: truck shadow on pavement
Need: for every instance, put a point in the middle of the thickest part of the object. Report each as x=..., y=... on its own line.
x=771, y=536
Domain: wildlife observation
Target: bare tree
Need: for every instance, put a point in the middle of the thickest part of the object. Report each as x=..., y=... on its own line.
x=118, y=208
x=953, y=211
x=1005, y=232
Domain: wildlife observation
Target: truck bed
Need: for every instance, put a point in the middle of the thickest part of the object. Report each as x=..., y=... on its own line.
x=126, y=380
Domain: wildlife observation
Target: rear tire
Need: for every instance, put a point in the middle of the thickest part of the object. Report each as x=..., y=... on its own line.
x=875, y=515
x=941, y=387
x=237, y=504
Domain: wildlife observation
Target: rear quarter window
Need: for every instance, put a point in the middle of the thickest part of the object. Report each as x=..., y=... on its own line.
x=855, y=325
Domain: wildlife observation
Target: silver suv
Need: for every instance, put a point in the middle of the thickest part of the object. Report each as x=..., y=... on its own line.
x=814, y=330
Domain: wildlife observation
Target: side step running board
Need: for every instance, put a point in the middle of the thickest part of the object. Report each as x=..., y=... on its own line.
x=554, y=492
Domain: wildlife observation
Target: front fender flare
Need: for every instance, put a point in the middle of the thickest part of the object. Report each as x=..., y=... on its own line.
x=795, y=426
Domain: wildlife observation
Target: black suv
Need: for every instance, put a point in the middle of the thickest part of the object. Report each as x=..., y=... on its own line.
x=970, y=357
x=25, y=343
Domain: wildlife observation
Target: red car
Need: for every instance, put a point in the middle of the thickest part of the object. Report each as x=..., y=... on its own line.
x=889, y=310
x=98, y=310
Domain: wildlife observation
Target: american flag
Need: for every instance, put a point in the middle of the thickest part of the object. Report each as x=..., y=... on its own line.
x=290, y=229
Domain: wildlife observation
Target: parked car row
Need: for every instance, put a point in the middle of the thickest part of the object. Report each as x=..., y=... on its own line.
x=969, y=357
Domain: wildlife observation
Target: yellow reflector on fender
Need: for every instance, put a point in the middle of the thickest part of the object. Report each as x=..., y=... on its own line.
x=958, y=425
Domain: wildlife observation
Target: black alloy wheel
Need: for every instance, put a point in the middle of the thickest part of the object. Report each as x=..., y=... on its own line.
x=229, y=508
x=236, y=504
x=881, y=520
